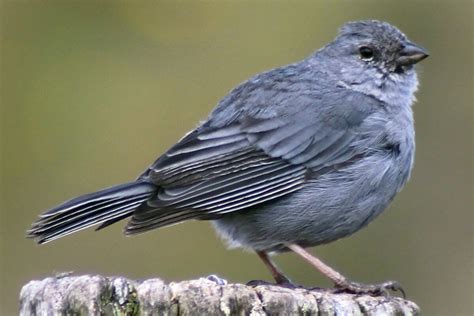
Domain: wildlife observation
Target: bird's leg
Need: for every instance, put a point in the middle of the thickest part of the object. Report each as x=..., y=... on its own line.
x=279, y=277
x=340, y=281
x=329, y=272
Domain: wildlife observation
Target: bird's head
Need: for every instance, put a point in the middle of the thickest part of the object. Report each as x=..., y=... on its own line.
x=374, y=57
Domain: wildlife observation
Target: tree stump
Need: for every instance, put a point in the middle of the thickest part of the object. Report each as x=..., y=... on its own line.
x=98, y=295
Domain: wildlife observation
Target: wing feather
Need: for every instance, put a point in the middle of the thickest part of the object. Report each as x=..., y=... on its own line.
x=217, y=170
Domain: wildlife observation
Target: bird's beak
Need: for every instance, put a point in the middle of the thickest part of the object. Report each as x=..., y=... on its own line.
x=411, y=54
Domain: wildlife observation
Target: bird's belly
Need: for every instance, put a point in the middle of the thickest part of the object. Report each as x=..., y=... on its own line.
x=329, y=207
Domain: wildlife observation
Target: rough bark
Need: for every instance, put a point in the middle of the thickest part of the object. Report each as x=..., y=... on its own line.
x=98, y=295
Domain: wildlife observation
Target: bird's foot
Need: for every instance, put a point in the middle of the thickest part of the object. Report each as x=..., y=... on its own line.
x=254, y=283
x=382, y=289
x=214, y=278
x=283, y=283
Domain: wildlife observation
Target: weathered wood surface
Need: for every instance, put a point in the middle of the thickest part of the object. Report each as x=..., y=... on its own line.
x=98, y=295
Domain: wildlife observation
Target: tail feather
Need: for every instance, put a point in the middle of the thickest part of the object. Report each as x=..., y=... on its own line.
x=87, y=222
x=112, y=221
x=87, y=211
x=103, y=207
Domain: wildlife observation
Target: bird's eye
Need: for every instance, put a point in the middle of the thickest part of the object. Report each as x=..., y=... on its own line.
x=366, y=53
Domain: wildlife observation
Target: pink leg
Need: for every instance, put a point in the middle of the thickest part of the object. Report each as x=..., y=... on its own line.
x=341, y=281
x=276, y=273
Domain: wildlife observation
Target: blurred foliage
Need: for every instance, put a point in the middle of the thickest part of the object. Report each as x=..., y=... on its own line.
x=93, y=91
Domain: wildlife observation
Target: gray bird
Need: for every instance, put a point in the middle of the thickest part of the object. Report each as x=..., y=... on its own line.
x=294, y=157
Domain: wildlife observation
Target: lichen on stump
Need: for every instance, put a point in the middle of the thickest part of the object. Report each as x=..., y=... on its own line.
x=98, y=295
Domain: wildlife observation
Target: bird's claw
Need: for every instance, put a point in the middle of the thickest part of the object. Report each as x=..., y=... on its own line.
x=255, y=283
x=286, y=284
x=371, y=289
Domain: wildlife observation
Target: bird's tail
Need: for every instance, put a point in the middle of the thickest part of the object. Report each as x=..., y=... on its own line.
x=104, y=207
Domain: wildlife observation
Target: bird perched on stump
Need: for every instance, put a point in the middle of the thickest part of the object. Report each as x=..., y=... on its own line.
x=295, y=157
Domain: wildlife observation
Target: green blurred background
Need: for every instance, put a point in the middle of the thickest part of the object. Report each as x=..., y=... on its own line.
x=92, y=92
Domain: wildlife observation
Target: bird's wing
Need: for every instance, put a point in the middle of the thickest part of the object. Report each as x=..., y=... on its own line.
x=217, y=170
x=210, y=173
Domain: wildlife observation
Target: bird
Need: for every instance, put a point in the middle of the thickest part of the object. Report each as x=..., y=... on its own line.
x=295, y=157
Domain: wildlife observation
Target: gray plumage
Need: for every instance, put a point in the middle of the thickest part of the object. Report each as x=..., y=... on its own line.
x=303, y=154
